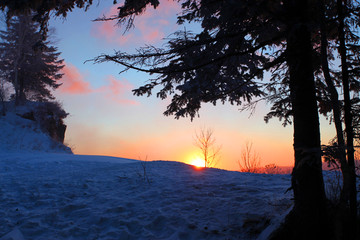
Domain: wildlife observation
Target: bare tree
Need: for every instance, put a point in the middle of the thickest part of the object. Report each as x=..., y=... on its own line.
x=206, y=142
x=3, y=96
x=143, y=173
x=250, y=159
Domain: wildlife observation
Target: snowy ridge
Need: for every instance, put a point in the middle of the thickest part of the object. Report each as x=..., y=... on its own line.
x=64, y=196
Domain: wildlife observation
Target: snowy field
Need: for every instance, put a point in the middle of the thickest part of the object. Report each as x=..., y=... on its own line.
x=65, y=196
x=46, y=193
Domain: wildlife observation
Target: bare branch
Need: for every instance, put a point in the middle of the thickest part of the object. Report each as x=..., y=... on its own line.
x=249, y=160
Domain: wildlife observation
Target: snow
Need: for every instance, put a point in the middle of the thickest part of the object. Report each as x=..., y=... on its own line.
x=65, y=196
x=48, y=193
x=18, y=134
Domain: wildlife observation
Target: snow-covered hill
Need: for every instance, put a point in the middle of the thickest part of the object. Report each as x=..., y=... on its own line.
x=64, y=196
x=18, y=134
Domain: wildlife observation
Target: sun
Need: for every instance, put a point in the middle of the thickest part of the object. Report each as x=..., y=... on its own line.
x=198, y=162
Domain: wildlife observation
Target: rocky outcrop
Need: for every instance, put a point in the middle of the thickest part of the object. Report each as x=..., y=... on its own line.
x=56, y=129
x=49, y=116
x=33, y=126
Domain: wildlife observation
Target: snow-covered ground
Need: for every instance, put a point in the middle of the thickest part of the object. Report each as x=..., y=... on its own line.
x=48, y=193
x=65, y=196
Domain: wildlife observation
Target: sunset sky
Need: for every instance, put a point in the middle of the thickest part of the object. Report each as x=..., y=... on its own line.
x=106, y=119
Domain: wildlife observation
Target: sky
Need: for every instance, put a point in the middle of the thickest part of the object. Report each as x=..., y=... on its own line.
x=106, y=119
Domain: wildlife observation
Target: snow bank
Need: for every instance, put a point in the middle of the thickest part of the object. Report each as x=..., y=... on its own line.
x=63, y=196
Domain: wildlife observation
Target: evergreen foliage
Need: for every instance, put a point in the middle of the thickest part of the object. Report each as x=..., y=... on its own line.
x=221, y=63
x=31, y=65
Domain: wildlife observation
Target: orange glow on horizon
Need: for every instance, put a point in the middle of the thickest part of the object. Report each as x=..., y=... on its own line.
x=174, y=145
x=198, y=162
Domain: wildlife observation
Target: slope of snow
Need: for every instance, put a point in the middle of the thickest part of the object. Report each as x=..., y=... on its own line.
x=64, y=196
x=18, y=134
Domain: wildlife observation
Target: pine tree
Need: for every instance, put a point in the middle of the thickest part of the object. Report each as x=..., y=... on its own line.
x=30, y=64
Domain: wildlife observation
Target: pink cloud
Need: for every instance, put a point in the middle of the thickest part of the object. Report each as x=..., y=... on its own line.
x=163, y=22
x=106, y=29
x=152, y=36
x=115, y=90
x=169, y=7
x=73, y=82
x=149, y=27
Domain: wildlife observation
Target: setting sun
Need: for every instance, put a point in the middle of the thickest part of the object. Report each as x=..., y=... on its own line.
x=198, y=162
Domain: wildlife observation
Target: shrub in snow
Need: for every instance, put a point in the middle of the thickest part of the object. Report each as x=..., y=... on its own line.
x=143, y=172
x=271, y=169
x=50, y=116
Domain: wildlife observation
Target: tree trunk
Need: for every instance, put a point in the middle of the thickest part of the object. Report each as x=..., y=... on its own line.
x=308, y=218
x=335, y=104
x=341, y=230
x=19, y=83
x=307, y=179
x=348, y=122
x=16, y=84
x=22, y=96
x=2, y=98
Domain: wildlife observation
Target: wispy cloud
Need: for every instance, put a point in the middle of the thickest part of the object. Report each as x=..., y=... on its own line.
x=149, y=27
x=74, y=82
x=115, y=90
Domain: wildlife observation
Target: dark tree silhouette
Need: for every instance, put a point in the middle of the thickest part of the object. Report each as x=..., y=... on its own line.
x=338, y=22
x=348, y=118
